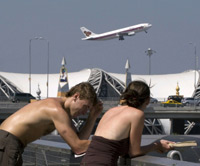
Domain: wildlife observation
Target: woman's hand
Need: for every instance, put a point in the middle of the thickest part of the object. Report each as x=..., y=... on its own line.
x=163, y=146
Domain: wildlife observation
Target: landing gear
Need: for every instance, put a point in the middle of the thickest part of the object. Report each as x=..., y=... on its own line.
x=121, y=37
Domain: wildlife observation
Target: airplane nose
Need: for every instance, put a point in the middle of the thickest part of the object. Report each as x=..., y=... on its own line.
x=149, y=25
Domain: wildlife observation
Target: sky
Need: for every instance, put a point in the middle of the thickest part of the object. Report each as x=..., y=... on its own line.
x=175, y=24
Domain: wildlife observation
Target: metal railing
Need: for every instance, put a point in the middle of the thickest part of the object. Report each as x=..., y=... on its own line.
x=12, y=105
x=59, y=154
x=43, y=155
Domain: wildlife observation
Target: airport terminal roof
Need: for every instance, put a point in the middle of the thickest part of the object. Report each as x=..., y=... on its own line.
x=162, y=85
x=106, y=84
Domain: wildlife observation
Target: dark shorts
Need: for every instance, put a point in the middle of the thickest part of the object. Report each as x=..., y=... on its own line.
x=11, y=149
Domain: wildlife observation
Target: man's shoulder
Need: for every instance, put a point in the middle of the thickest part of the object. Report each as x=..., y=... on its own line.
x=51, y=105
x=52, y=102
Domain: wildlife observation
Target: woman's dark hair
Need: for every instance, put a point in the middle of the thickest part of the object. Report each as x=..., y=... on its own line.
x=135, y=94
x=85, y=90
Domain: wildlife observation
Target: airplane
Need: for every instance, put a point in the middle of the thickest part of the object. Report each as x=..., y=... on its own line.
x=119, y=33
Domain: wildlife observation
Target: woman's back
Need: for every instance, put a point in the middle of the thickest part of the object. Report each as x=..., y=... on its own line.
x=116, y=122
x=111, y=138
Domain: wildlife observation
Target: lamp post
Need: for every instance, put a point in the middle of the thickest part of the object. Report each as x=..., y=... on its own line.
x=30, y=66
x=150, y=52
x=39, y=38
x=195, y=64
x=48, y=69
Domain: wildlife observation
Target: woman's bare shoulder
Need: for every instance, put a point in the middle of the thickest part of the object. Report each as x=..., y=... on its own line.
x=125, y=111
x=134, y=112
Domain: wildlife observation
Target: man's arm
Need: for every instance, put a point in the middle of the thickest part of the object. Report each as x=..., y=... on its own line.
x=86, y=130
x=63, y=125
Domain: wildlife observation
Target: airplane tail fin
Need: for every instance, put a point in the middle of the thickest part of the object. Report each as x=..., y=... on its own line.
x=87, y=32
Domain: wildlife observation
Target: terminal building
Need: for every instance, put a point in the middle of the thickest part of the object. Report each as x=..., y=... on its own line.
x=108, y=87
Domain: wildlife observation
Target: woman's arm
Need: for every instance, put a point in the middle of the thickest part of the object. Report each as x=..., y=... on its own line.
x=136, y=149
x=137, y=124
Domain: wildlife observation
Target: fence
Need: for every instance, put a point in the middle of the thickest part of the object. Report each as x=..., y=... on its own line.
x=50, y=153
x=41, y=154
x=9, y=104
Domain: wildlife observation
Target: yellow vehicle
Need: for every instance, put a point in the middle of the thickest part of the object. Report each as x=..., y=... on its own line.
x=172, y=103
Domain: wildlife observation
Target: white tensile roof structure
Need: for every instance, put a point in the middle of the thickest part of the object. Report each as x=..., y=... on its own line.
x=161, y=85
x=108, y=85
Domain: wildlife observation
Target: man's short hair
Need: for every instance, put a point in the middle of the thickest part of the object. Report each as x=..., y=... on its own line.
x=86, y=91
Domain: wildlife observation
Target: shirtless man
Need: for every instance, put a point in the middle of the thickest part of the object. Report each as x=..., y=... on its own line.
x=42, y=117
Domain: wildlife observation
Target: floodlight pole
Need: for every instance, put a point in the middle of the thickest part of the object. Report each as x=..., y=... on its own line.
x=150, y=52
x=39, y=38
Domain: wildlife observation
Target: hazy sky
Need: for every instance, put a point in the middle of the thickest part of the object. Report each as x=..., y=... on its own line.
x=175, y=23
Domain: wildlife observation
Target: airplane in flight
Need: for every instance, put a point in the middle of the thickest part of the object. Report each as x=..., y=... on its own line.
x=119, y=33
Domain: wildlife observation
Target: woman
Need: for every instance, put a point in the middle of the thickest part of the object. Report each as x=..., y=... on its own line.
x=120, y=129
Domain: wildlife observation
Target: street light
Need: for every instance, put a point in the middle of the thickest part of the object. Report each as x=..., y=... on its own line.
x=39, y=38
x=150, y=52
x=195, y=64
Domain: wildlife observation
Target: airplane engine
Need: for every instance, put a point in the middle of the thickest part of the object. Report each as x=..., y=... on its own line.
x=131, y=33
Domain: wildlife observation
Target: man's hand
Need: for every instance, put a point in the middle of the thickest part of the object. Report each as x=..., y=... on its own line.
x=96, y=110
x=90, y=122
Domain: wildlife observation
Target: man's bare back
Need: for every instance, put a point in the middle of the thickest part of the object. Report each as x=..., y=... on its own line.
x=36, y=120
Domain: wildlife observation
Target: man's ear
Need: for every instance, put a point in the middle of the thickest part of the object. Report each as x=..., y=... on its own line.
x=76, y=96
